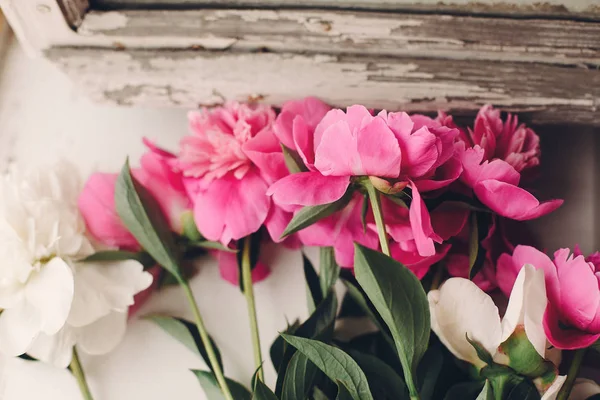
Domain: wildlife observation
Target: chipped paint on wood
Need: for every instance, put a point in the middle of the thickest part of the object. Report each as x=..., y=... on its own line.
x=337, y=32
x=186, y=79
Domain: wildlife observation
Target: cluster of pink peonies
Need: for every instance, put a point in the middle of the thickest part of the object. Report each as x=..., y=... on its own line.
x=247, y=170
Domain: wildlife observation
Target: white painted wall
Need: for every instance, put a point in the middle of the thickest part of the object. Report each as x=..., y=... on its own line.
x=43, y=117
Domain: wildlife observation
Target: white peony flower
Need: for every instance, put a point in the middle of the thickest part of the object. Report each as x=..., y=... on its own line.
x=460, y=308
x=49, y=300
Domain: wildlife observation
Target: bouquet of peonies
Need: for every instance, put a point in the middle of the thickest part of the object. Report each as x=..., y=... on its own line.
x=417, y=218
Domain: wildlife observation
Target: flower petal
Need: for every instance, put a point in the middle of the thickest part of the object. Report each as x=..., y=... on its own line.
x=565, y=339
x=51, y=292
x=103, y=335
x=308, y=189
x=265, y=152
x=54, y=349
x=459, y=309
x=512, y=201
x=18, y=327
x=379, y=150
x=526, y=306
x=229, y=269
x=97, y=206
x=230, y=208
x=420, y=223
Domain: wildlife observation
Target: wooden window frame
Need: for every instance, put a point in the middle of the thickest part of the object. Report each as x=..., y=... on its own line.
x=543, y=63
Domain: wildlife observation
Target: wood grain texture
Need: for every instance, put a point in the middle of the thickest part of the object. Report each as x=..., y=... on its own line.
x=543, y=93
x=361, y=33
x=581, y=8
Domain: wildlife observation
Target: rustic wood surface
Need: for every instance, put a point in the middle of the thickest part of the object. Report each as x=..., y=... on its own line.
x=544, y=93
x=363, y=33
x=74, y=11
x=580, y=8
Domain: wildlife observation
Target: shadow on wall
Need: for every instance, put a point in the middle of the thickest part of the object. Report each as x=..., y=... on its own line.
x=570, y=169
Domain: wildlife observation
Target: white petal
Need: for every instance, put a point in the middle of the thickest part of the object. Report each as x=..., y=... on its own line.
x=104, y=335
x=526, y=306
x=54, y=349
x=460, y=308
x=584, y=389
x=553, y=390
x=18, y=327
x=51, y=292
x=11, y=294
x=106, y=287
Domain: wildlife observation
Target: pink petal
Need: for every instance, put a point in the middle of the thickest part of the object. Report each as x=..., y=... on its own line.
x=230, y=208
x=308, y=189
x=331, y=118
x=276, y=222
x=579, y=294
x=420, y=223
x=379, y=150
x=419, y=152
x=310, y=110
x=303, y=142
x=444, y=176
x=417, y=264
x=474, y=171
x=97, y=206
x=448, y=220
x=265, y=152
x=511, y=201
x=228, y=267
x=565, y=339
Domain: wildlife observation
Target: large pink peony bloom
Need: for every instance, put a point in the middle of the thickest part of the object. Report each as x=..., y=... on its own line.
x=496, y=184
x=228, y=162
x=572, y=317
x=356, y=143
x=509, y=141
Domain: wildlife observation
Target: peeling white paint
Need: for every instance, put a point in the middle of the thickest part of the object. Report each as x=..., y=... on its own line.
x=106, y=21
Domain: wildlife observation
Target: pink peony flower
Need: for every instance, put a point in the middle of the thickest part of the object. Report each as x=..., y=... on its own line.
x=97, y=206
x=572, y=317
x=356, y=143
x=510, y=141
x=496, y=184
x=229, y=162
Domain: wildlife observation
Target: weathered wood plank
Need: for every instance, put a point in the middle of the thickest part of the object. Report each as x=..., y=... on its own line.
x=73, y=10
x=355, y=32
x=544, y=93
x=583, y=8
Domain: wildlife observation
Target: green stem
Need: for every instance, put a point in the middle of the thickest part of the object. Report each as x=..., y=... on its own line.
x=210, y=351
x=565, y=391
x=249, y=294
x=77, y=372
x=376, y=206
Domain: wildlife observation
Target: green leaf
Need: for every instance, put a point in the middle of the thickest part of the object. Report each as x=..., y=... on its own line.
x=278, y=346
x=429, y=371
x=262, y=392
x=205, y=244
x=319, y=395
x=318, y=326
x=190, y=230
x=120, y=255
x=464, y=391
x=356, y=294
x=293, y=161
x=337, y=365
x=213, y=391
x=314, y=295
x=343, y=392
x=384, y=382
x=187, y=334
x=311, y=214
x=486, y=392
x=482, y=352
x=142, y=216
x=397, y=200
x=299, y=378
x=329, y=270
x=401, y=302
